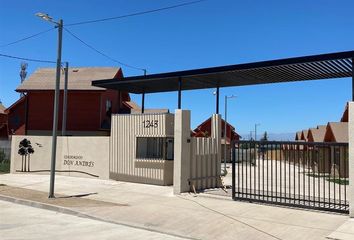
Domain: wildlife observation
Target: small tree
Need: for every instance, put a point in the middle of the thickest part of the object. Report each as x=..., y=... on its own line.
x=265, y=136
x=2, y=156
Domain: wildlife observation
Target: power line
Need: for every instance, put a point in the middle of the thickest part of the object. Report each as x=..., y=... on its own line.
x=136, y=13
x=26, y=59
x=101, y=53
x=26, y=38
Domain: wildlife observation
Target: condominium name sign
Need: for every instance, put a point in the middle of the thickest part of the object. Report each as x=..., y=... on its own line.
x=77, y=160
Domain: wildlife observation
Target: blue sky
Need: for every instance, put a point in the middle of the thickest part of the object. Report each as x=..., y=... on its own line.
x=211, y=33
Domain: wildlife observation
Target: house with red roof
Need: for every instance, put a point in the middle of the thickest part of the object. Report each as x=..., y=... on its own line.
x=204, y=130
x=89, y=108
x=3, y=122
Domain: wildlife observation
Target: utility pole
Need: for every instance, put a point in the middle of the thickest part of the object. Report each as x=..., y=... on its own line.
x=59, y=25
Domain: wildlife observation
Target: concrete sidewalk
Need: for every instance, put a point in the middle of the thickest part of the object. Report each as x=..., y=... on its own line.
x=156, y=208
x=23, y=222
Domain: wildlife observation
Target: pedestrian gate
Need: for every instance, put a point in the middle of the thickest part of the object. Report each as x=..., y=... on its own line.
x=298, y=174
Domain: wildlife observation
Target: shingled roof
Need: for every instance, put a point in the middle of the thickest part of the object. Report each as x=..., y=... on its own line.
x=337, y=132
x=345, y=117
x=298, y=136
x=316, y=134
x=79, y=78
x=2, y=108
x=136, y=109
x=304, y=135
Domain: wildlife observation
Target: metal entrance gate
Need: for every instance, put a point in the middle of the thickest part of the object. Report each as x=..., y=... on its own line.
x=299, y=174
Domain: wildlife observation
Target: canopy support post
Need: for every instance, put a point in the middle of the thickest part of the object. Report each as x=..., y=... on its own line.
x=179, y=92
x=217, y=100
x=143, y=102
x=353, y=79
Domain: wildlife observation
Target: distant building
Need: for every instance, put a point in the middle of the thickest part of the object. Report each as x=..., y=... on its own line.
x=304, y=134
x=298, y=136
x=89, y=108
x=204, y=130
x=16, y=117
x=3, y=122
x=337, y=132
x=2, y=108
x=316, y=134
x=345, y=115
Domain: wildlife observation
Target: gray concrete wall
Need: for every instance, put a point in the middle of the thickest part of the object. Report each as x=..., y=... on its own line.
x=76, y=156
x=351, y=159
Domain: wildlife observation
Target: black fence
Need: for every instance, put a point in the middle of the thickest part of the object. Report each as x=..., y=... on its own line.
x=298, y=174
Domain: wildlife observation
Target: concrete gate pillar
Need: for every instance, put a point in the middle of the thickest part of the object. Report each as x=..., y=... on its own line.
x=182, y=151
x=216, y=133
x=351, y=158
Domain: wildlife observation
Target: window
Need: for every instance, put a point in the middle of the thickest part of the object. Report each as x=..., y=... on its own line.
x=154, y=148
x=108, y=107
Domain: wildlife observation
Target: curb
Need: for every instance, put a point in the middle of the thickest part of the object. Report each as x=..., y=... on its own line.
x=68, y=211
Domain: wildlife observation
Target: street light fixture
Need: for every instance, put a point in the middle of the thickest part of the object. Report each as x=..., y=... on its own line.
x=225, y=130
x=44, y=16
x=59, y=25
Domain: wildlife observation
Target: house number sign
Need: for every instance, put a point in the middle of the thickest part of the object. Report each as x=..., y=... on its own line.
x=150, y=124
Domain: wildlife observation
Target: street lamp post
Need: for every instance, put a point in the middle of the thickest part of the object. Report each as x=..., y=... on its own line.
x=255, y=130
x=59, y=25
x=65, y=99
x=225, y=130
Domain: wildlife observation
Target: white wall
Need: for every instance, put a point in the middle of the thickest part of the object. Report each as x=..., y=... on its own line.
x=205, y=168
x=76, y=156
x=351, y=159
x=124, y=166
x=197, y=160
x=182, y=150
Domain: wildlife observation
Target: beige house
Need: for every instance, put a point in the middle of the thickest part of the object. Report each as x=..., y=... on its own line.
x=345, y=115
x=337, y=132
x=298, y=136
x=316, y=134
x=304, y=134
x=319, y=156
x=2, y=108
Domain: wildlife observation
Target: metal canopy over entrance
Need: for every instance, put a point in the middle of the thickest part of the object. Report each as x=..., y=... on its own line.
x=315, y=67
x=324, y=66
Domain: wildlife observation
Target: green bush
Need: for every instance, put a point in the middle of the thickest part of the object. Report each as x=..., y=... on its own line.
x=2, y=156
x=4, y=162
x=5, y=167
